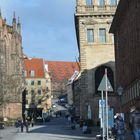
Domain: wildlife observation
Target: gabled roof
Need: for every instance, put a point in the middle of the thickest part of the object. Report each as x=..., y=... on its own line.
x=35, y=64
x=60, y=70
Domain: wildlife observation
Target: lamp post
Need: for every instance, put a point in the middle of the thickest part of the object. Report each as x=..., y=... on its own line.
x=120, y=92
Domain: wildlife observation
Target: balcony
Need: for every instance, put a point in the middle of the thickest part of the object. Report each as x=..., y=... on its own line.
x=95, y=8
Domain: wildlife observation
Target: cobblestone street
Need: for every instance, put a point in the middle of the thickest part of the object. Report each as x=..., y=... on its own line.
x=56, y=129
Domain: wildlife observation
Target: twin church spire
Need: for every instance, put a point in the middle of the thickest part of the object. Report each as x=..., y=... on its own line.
x=16, y=26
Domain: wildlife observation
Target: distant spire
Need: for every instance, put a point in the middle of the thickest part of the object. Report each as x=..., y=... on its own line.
x=0, y=13
x=18, y=20
x=1, y=22
x=14, y=15
x=14, y=21
x=5, y=20
x=19, y=26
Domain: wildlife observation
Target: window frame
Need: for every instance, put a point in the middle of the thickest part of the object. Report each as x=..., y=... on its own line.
x=39, y=92
x=90, y=35
x=32, y=83
x=32, y=73
x=101, y=35
x=25, y=73
x=39, y=82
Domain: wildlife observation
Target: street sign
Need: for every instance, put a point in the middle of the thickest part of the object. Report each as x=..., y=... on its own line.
x=101, y=103
x=102, y=86
x=110, y=117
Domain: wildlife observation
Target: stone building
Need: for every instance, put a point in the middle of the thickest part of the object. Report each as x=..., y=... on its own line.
x=96, y=49
x=38, y=87
x=125, y=27
x=60, y=73
x=69, y=88
x=11, y=69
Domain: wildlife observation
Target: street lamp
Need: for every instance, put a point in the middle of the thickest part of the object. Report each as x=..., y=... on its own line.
x=120, y=92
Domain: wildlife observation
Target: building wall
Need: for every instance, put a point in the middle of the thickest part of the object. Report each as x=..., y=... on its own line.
x=93, y=54
x=69, y=94
x=44, y=96
x=127, y=50
x=11, y=67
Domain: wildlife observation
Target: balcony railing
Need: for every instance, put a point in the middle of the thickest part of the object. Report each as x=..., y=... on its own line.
x=95, y=8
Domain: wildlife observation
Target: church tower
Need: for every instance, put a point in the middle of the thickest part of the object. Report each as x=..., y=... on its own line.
x=96, y=51
x=11, y=69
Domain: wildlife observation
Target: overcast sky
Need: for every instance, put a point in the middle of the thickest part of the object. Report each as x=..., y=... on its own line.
x=48, y=29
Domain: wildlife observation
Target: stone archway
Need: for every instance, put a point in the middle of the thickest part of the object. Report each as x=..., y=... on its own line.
x=99, y=73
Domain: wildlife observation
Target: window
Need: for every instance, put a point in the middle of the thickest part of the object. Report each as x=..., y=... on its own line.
x=90, y=35
x=39, y=82
x=39, y=91
x=25, y=73
x=32, y=73
x=39, y=101
x=89, y=2
x=101, y=3
x=32, y=93
x=32, y=83
x=102, y=35
x=113, y=2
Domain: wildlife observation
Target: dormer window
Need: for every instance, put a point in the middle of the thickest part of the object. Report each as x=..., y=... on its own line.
x=25, y=73
x=32, y=73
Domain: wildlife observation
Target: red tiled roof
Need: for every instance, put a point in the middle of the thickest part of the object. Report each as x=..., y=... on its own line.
x=60, y=70
x=35, y=64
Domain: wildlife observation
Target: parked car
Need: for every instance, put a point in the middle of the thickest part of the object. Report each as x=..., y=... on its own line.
x=2, y=126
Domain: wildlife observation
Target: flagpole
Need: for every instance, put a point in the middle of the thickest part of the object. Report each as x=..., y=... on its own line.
x=106, y=104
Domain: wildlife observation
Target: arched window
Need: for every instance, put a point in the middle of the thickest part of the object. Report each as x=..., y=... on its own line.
x=99, y=73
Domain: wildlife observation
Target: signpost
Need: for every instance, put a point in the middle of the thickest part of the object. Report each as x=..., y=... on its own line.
x=105, y=86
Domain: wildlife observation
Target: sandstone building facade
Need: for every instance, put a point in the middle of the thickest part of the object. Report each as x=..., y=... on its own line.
x=38, y=87
x=127, y=52
x=11, y=69
x=96, y=49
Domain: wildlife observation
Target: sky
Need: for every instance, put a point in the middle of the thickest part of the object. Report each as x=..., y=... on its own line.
x=48, y=29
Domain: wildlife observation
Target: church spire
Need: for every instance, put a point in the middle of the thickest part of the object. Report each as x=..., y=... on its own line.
x=14, y=21
x=0, y=13
x=19, y=26
x=0, y=18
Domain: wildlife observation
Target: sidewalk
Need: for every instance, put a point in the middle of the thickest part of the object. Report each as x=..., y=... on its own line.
x=96, y=130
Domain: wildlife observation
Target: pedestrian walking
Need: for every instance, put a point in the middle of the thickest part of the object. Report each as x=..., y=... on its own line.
x=27, y=126
x=135, y=122
x=17, y=125
x=119, y=127
x=69, y=120
x=32, y=122
x=22, y=126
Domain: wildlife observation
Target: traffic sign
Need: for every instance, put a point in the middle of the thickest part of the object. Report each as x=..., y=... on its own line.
x=102, y=86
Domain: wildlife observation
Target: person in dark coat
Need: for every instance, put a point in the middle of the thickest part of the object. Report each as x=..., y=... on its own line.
x=22, y=126
x=135, y=122
x=17, y=125
x=27, y=126
x=119, y=126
